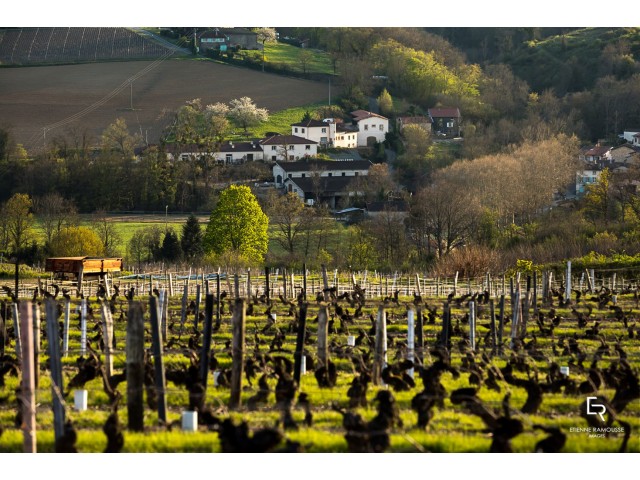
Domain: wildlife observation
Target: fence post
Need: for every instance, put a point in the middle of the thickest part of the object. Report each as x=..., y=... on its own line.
x=197, y=311
x=266, y=280
x=567, y=292
x=107, y=333
x=302, y=325
x=492, y=314
x=16, y=327
x=183, y=312
x=28, y=387
x=65, y=334
x=36, y=344
x=83, y=327
x=55, y=367
x=323, y=330
x=420, y=337
x=304, y=282
x=501, y=324
x=472, y=325
x=455, y=285
x=237, y=352
x=206, y=340
x=380, y=354
x=158, y=361
x=170, y=285
x=535, y=293
x=135, y=367
x=249, y=292
x=411, y=334
x=284, y=283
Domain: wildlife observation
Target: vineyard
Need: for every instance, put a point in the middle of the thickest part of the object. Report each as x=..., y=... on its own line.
x=212, y=363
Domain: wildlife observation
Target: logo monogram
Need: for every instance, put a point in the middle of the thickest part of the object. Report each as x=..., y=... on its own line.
x=597, y=406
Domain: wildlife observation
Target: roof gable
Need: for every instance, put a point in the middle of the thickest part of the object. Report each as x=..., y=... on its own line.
x=359, y=115
x=445, y=112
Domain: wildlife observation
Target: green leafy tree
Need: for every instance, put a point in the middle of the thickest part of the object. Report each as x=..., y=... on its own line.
x=116, y=137
x=238, y=226
x=385, y=103
x=192, y=238
x=598, y=198
x=18, y=221
x=75, y=241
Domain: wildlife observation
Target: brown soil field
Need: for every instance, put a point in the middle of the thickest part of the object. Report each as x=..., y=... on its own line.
x=33, y=98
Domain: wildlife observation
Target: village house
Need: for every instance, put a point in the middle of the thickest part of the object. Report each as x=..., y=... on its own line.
x=596, y=154
x=288, y=148
x=326, y=181
x=235, y=153
x=446, y=121
x=224, y=39
x=630, y=133
x=372, y=128
x=421, y=121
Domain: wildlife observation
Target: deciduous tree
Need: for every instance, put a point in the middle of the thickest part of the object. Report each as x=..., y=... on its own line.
x=246, y=114
x=238, y=226
x=74, y=241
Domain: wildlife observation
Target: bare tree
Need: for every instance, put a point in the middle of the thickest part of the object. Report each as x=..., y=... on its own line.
x=54, y=213
x=107, y=231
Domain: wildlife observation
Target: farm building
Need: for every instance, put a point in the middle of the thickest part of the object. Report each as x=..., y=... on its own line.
x=372, y=127
x=78, y=268
x=446, y=121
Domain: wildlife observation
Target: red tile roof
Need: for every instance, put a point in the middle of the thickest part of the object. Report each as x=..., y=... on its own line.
x=286, y=139
x=444, y=112
x=363, y=114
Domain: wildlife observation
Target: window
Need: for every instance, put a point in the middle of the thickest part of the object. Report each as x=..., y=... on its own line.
x=381, y=128
x=373, y=125
x=356, y=174
x=273, y=147
x=304, y=175
x=274, y=158
x=290, y=176
x=330, y=174
x=229, y=157
x=307, y=147
x=291, y=157
x=295, y=130
x=290, y=147
x=366, y=127
x=303, y=130
x=324, y=130
x=344, y=174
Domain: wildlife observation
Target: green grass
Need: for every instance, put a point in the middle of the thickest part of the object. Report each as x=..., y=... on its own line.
x=278, y=122
x=289, y=55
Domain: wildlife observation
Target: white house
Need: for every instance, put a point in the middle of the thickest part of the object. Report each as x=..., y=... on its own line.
x=636, y=140
x=630, y=133
x=288, y=147
x=345, y=138
x=234, y=153
x=586, y=177
x=372, y=127
x=321, y=132
x=595, y=154
x=322, y=168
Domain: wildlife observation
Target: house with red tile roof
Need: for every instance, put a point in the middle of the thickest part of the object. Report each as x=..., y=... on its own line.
x=446, y=121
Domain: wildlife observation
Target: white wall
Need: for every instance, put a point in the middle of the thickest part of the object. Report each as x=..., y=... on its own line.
x=315, y=133
x=297, y=151
x=372, y=127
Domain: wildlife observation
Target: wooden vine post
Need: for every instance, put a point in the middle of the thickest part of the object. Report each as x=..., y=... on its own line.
x=411, y=336
x=36, y=343
x=28, y=386
x=420, y=337
x=323, y=334
x=158, y=361
x=302, y=325
x=206, y=339
x=325, y=283
x=380, y=353
x=237, y=352
x=18, y=333
x=107, y=334
x=65, y=334
x=135, y=367
x=55, y=367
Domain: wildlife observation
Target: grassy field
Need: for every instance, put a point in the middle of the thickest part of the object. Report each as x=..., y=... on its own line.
x=289, y=55
x=452, y=428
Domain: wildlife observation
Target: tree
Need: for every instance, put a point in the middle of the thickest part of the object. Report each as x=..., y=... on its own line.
x=238, y=226
x=18, y=223
x=76, y=241
x=116, y=137
x=304, y=57
x=416, y=164
x=598, y=197
x=107, y=232
x=244, y=112
x=291, y=220
x=54, y=213
x=385, y=103
x=191, y=241
x=170, y=249
x=265, y=35
x=144, y=244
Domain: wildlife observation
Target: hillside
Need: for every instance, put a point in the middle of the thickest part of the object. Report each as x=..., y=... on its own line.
x=562, y=59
